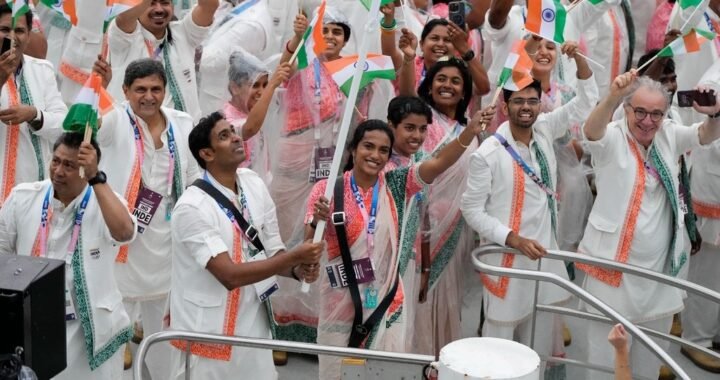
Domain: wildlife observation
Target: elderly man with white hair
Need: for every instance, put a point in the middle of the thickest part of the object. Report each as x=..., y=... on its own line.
x=637, y=217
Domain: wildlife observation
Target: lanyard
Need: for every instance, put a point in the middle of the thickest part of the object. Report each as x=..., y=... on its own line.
x=45, y=222
x=712, y=26
x=154, y=53
x=318, y=80
x=369, y=220
x=243, y=207
x=140, y=148
x=243, y=7
x=526, y=168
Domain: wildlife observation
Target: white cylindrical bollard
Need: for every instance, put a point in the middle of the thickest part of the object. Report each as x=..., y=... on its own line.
x=488, y=359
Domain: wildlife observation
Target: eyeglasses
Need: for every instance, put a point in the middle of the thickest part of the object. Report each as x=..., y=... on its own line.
x=641, y=113
x=521, y=101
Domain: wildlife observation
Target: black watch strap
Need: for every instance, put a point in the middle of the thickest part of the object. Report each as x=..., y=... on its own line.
x=468, y=56
x=100, y=177
x=715, y=116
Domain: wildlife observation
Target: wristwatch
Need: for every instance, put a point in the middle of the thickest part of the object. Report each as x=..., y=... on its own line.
x=37, y=122
x=100, y=177
x=468, y=56
x=715, y=116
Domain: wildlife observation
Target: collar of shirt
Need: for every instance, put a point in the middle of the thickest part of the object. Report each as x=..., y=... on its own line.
x=59, y=207
x=231, y=195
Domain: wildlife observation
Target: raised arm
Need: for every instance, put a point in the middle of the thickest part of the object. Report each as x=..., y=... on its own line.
x=387, y=37
x=601, y=115
x=459, y=38
x=128, y=20
x=299, y=26
x=256, y=117
x=476, y=17
x=498, y=13
x=448, y=155
x=203, y=13
x=114, y=212
x=709, y=130
x=407, y=82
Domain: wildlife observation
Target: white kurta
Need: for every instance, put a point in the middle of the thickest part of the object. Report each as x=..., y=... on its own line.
x=637, y=299
x=198, y=301
x=19, y=225
x=250, y=31
x=607, y=34
x=487, y=204
x=186, y=37
x=146, y=274
x=39, y=76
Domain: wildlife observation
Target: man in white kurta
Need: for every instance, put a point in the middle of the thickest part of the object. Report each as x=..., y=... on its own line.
x=96, y=315
x=217, y=272
x=248, y=28
x=31, y=111
x=146, y=31
x=166, y=168
x=638, y=215
x=506, y=207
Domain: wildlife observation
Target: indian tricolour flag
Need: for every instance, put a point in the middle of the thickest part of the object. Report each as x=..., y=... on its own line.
x=376, y=66
x=546, y=18
x=367, y=3
x=516, y=74
x=19, y=8
x=65, y=8
x=115, y=7
x=314, y=44
x=91, y=103
x=688, y=43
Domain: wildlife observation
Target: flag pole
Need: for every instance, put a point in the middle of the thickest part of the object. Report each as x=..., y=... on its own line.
x=86, y=138
x=297, y=50
x=573, y=5
x=492, y=103
x=649, y=61
x=347, y=117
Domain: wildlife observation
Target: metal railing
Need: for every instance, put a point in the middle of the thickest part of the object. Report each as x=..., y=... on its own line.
x=278, y=345
x=611, y=316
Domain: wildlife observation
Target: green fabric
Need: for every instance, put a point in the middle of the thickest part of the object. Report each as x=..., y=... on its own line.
x=26, y=98
x=175, y=92
x=690, y=217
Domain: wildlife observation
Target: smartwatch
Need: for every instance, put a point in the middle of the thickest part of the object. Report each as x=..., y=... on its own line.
x=99, y=178
x=468, y=56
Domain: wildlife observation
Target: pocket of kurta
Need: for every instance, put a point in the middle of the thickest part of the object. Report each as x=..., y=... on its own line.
x=110, y=318
x=205, y=311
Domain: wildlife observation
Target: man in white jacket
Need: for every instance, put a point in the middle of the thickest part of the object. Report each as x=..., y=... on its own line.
x=81, y=222
x=638, y=215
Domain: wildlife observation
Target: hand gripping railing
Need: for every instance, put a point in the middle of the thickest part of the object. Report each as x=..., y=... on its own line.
x=279, y=345
x=592, y=300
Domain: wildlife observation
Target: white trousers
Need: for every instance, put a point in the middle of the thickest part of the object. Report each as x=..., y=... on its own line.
x=701, y=317
x=78, y=365
x=152, y=313
x=644, y=364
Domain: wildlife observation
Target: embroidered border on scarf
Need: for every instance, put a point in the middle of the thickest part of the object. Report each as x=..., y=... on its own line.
x=73, y=73
x=499, y=288
x=613, y=277
x=706, y=210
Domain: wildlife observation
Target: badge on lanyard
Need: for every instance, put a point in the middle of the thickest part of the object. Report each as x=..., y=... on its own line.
x=363, y=273
x=147, y=204
x=321, y=162
x=371, y=297
x=268, y=286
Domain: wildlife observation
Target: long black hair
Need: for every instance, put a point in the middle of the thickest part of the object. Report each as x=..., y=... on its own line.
x=425, y=88
x=362, y=128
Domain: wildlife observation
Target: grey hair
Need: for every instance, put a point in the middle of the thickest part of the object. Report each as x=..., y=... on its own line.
x=650, y=84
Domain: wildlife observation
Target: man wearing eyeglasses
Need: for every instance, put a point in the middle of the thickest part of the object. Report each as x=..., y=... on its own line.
x=511, y=200
x=638, y=215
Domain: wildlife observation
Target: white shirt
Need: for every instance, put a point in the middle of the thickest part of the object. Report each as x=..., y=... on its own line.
x=146, y=274
x=186, y=37
x=705, y=188
x=201, y=231
x=40, y=79
x=19, y=226
x=600, y=40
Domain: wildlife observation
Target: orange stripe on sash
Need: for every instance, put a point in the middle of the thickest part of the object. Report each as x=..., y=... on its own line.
x=613, y=277
x=12, y=137
x=499, y=288
x=73, y=73
x=131, y=194
x=706, y=210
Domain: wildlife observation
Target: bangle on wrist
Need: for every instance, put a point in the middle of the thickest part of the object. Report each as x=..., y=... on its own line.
x=287, y=47
x=461, y=144
x=390, y=27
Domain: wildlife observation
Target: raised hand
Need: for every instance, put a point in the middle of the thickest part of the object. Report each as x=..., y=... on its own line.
x=102, y=67
x=458, y=37
x=621, y=85
x=300, y=25
x=408, y=43
x=707, y=110
x=570, y=48
x=281, y=75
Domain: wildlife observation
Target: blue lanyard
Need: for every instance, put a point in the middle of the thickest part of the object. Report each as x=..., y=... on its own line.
x=370, y=220
x=318, y=81
x=172, y=148
x=79, y=213
x=243, y=7
x=526, y=168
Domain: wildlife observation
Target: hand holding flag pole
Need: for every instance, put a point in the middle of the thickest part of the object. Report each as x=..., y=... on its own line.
x=689, y=43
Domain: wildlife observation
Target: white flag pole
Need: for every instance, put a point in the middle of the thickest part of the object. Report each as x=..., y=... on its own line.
x=371, y=23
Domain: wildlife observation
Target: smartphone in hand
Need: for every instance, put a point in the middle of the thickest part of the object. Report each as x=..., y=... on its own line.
x=6, y=45
x=705, y=99
x=456, y=13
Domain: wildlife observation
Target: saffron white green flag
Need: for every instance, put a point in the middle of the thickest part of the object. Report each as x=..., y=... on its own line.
x=546, y=18
x=516, y=74
x=314, y=42
x=115, y=7
x=19, y=8
x=91, y=102
x=366, y=3
x=686, y=44
x=376, y=66
x=66, y=8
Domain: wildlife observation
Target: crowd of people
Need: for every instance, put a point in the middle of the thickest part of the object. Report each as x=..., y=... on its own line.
x=229, y=117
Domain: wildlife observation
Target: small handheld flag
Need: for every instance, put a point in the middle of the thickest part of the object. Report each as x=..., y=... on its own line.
x=91, y=102
x=66, y=8
x=686, y=44
x=546, y=18
x=312, y=44
x=115, y=7
x=376, y=66
x=366, y=3
x=19, y=9
x=516, y=74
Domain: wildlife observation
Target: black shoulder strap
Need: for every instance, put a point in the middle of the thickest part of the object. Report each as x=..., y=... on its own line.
x=251, y=233
x=360, y=330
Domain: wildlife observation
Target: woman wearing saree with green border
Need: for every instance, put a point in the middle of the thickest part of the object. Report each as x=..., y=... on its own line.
x=374, y=204
x=447, y=89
